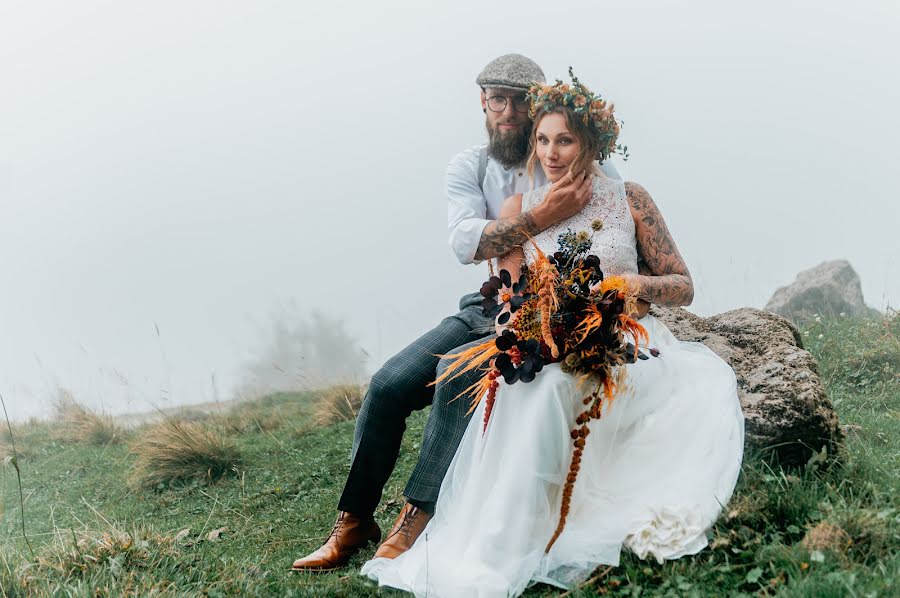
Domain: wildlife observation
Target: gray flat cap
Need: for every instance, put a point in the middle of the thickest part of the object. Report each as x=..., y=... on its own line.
x=510, y=71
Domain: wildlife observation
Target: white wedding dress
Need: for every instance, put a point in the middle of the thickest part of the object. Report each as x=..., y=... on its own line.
x=658, y=466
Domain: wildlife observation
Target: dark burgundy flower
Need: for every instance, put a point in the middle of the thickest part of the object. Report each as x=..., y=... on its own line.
x=495, y=299
x=529, y=358
x=506, y=341
x=532, y=362
x=592, y=262
x=489, y=290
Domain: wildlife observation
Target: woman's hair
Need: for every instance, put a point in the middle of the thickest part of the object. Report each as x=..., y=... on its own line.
x=588, y=140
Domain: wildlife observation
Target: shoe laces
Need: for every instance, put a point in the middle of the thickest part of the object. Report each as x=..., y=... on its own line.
x=409, y=519
x=337, y=525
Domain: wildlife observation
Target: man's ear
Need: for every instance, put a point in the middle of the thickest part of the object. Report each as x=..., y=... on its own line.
x=483, y=101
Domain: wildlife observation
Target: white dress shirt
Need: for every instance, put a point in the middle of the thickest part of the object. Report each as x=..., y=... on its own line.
x=471, y=207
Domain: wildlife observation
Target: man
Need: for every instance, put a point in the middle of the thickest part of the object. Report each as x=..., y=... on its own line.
x=478, y=182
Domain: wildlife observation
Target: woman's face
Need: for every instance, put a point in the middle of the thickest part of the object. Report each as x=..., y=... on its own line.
x=556, y=147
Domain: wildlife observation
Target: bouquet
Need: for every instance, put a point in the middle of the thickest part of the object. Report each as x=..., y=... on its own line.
x=560, y=309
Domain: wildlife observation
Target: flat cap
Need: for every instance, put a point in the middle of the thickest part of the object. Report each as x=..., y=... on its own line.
x=510, y=71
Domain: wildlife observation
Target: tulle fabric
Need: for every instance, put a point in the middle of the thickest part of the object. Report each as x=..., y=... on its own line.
x=658, y=467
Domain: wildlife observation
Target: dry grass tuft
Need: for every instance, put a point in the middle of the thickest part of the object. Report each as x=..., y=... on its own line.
x=129, y=556
x=870, y=534
x=84, y=426
x=826, y=537
x=338, y=404
x=174, y=451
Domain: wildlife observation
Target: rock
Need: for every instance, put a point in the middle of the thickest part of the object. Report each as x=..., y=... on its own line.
x=831, y=288
x=786, y=408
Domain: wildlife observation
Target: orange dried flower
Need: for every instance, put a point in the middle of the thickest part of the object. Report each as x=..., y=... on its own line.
x=614, y=282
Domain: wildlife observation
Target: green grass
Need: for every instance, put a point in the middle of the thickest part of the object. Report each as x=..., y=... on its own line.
x=96, y=534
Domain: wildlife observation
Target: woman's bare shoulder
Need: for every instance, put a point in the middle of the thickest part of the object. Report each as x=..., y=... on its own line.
x=638, y=197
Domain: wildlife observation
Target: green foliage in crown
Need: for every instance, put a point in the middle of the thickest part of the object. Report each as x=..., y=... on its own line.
x=595, y=112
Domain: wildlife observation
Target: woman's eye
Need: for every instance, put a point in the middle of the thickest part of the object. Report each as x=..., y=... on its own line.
x=565, y=141
x=542, y=140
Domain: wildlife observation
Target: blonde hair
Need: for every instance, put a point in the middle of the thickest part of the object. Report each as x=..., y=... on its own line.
x=588, y=143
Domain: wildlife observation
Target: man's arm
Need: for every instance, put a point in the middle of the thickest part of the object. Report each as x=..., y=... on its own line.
x=672, y=284
x=503, y=235
x=565, y=198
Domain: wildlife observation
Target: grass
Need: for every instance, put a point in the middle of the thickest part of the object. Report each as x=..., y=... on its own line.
x=811, y=532
x=172, y=452
x=79, y=424
x=338, y=404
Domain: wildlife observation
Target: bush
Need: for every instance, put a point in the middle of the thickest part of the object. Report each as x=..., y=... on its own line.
x=302, y=350
x=174, y=451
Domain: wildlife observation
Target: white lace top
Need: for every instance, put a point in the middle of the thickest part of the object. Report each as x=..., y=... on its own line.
x=614, y=244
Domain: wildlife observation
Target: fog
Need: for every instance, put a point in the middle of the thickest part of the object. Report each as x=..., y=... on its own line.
x=179, y=179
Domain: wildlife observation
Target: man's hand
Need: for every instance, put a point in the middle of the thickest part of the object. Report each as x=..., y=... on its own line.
x=566, y=197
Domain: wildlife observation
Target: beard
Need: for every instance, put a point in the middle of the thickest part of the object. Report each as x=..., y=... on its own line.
x=508, y=148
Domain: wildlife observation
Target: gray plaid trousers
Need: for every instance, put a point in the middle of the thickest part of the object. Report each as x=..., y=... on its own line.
x=397, y=389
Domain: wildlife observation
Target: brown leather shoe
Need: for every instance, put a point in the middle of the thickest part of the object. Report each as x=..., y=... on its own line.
x=409, y=525
x=349, y=534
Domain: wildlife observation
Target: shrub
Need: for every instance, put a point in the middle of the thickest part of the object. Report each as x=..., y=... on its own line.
x=174, y=451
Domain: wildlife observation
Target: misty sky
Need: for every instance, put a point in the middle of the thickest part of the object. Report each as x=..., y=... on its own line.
x=191, y=167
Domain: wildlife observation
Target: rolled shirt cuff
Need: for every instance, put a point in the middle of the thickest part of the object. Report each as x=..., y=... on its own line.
x=465, y=237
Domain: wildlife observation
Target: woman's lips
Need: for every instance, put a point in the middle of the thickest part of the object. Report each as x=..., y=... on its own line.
x=557, y=167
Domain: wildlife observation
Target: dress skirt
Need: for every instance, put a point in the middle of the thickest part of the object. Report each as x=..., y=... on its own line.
x=657, y=469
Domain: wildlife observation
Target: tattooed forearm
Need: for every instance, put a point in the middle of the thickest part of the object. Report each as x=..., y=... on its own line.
x=504, y=234
x=670, y=290
x=670, y=283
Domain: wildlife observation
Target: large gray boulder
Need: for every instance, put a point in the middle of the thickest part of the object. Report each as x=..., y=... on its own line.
x=831, y=288
x=786, y=407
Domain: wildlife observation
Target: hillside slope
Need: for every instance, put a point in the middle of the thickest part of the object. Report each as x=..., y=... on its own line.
x=809, y=532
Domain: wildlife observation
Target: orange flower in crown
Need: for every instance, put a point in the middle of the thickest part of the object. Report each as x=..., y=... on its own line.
x=595, y=112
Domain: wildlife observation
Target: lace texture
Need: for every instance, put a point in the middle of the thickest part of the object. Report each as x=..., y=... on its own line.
x=614, y=244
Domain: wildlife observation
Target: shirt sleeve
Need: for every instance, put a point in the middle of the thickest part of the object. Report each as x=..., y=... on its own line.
x=466, y=205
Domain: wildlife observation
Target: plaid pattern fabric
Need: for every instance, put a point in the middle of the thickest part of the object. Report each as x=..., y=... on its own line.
x=395, y=391
x=444, y=431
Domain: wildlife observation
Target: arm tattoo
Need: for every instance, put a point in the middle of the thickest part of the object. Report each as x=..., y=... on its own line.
x=504, y=234
x=669, y=282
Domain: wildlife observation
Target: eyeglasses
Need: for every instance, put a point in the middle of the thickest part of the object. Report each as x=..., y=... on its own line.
x=498, y=103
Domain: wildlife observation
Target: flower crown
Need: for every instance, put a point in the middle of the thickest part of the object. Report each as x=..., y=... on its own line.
x=596, y=113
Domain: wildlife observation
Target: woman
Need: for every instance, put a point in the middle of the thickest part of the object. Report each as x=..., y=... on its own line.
x=661, y=461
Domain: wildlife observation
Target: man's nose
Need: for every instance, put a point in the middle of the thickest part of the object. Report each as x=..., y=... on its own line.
x=510, y=110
